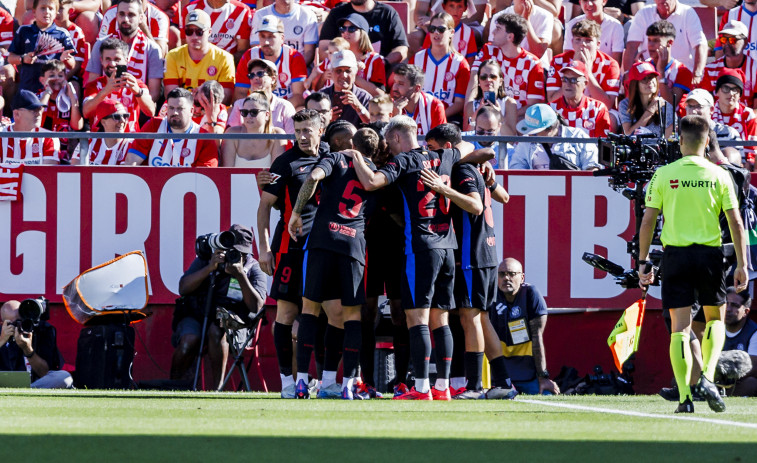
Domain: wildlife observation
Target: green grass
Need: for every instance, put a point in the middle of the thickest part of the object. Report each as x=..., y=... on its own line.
x=105, y=426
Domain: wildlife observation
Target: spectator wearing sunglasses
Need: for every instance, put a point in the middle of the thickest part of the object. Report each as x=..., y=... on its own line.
x=263, y=78
x=491, y=92
x=107, y=151
x=371, y=74
x=256, y=114
x=732, y=40
x=230, y=23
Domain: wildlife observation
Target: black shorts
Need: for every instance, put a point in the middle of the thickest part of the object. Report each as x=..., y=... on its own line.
x=429, y=279
x=475, y=288
x=287, y=278
x=384, y=270
x=329, y=275
x=692, y=274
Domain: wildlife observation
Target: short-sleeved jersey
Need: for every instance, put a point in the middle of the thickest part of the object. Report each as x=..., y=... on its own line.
x=428, y=219
x=157, y=19
x=464, y=41
x=429, y=113
x=591, y=115
x=26, y=40
x=291, y=65
x=227, y=24
x=691, y=192
x=6, y=28
x=749, y=66
x=386, y=29
x=183, y=71
x=605, y=70
x=143, y=61
x=174, y=153
x=29, y=151
x=101, y=155
x=744, y=121
x=611, y=39
x=125, y=96
x=476, y=241
x=300, y=26
x=446, y=78
x=523, y=78
x=339, y=224
x=292, y=168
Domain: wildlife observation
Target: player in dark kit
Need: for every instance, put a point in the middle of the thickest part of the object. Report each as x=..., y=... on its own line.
x=288, y=173
x=334, y=265
x=429, y=242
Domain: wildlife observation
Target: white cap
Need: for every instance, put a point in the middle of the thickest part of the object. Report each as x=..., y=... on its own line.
x=701, y=96
x=270, y=23
x=343, y=58
x=735, y=28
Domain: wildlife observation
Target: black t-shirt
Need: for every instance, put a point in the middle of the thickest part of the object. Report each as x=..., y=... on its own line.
x=387, y=31
x=428, y=219
x=477, y=246
x=293, y=166
x=339, y=224
x=44, y=344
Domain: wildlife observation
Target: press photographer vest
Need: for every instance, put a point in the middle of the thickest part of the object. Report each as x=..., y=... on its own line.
x=741, y=340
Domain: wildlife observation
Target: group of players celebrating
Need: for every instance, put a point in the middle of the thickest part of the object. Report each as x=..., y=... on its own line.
x=440, y=199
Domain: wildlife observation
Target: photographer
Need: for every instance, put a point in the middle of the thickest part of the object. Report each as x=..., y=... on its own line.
x=35, y=351
x=239, y=288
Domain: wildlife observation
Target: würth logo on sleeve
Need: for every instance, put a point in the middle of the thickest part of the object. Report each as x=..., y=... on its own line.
x=674, y=184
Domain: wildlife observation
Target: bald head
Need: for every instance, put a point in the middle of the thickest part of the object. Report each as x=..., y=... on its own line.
x=511, y=265
x=9, y=311
x=510, y=277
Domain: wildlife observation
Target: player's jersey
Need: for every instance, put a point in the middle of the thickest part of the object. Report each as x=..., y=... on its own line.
x=428, y=219
x=339, y=224
x=591, y=115
x=101, y=155
x=605, y=69
x=291, y=67
x=174, y=153
x=29, y=151
x=446, y=78
x=125, y=96
x=227, y=24
x=429, y=112
x=476, y=241
x=181, y=70
x=712, y=71
x=300, y=26
x=677, y=75
x=464, y=41
x=291, y=170
x=157, y=19
x=523, y=78
x=81, y=46
x=744, y=121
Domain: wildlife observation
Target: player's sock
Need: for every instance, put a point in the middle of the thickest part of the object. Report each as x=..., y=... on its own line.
x=457, y=369
x=712, y=345
x=500, y=376
x=680, y=360
x=282, y=340
x=329, y=378
x=320, y=344
x=306, y=334
x=352, y=340
x=474, y=367
x=334, y=343
x=401, y=352
x=456, y=382
x=443, y=349
x=286, y=380
x=420, y=351
x=422, y=385
x=367, y=350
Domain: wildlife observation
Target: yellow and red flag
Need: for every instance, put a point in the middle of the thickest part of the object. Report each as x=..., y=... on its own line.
x=624, y=339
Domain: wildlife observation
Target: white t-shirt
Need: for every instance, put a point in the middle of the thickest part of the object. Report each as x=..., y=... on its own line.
x=541, y=20
x=611, y=40
x=689, y=32
x=300, y=26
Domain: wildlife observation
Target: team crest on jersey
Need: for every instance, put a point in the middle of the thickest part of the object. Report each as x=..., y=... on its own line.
x=515, y=312
x=297, y=30
x=333, y=226
x=589, y=125
x=550, y=71
x=448, y=77
x=212, y=70
x=230, y=24
x=518, y=80
x=185, y=152
x=283, y=78
x=462, y=45
x=35, y=148
x=127, y=101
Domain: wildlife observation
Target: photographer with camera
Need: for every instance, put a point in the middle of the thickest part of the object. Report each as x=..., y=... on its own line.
x=693, y=191
x=224, y=262
x=28, y=343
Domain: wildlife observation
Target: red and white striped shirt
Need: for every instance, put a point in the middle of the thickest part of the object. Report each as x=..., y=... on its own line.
x=100, y=154
x=488, y=51
x=174, y=153
x=591, y=115
x=291, y=66
x=605, y=69
x=227, y=24
x=81, y=45
x=429, y=112
x=125, y=96
x=157, y=19
x=523, y=78
x=740, y=13
x=6, y=29
x=749, y=66
x=446, y=78
x=464, y=41
x=29, y=151
x=374, y=70
x=744, y=121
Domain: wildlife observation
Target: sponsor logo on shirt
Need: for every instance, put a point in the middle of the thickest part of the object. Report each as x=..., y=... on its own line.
x=342, y=229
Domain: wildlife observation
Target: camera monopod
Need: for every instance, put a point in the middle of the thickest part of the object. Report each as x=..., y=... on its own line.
x=208, y=304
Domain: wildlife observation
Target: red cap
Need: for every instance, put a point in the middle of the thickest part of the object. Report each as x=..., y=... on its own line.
x=641, y=70
x=734, y=72
x=576, y=66
x=108, y=107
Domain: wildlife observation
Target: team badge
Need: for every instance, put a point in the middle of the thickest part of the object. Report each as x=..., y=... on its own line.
x=185, y=152
x=462, y=46
x=230, y=24
x=127, y=101
x=518, y=80
x=212, y=70
x=589, y=125
x=333, y=226
x=515, y=312
x=283, y=79
x=35, y=148
x=297, y=30
x=448, y=77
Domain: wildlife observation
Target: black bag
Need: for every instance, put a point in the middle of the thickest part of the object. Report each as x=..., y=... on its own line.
x=104, y=356
x=557, y=162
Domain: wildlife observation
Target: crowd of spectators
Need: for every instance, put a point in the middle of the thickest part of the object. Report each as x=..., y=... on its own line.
x=222, y=66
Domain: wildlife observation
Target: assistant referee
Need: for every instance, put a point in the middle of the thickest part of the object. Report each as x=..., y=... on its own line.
x=691, y=192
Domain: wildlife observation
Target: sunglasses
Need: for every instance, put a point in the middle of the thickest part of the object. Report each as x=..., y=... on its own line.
x=258, y=74
x=251, y=112
x=731, y=40
x=486, y=132
x=118, y=117
x=488, y=77
x=572, y=80
x=190, y=32
x=350, y=29
x=439, y=29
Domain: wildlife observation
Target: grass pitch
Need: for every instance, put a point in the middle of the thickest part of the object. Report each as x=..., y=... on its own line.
x=135, y=426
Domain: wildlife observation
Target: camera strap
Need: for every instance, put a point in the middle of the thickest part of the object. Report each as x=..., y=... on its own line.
x=557, y=162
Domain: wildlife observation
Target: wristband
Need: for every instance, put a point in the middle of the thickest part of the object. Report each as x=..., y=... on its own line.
x=141, y=92
x=30, y=355
x=492, y=187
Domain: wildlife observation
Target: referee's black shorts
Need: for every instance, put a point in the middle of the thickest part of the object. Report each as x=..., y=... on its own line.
x=692, y=274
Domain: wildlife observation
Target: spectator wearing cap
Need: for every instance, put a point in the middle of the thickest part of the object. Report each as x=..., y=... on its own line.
x=371, y=73
x=603, y=82
x=743, y=13
x=731, y=111
x=690, y=49
x=410, y=100
x=612, y=39
x=229, y=23
x=290, y=63
x=575, y=107
x=385, y=28
x=27, y=117
x=188, y=66
x=675, y=78
x=741, y=334
x=300, y=26
x=542, y=121
x=732, y=40
x=699, y=102
x=113, y=117
x=348, y=101
x=263, y=76
x=644, y=110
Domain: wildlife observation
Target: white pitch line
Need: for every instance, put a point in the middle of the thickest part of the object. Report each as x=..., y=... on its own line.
x=640, y=414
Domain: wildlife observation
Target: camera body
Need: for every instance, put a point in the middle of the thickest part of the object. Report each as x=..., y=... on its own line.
x=634, y=158
x=206, y=245
x=31, y=312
